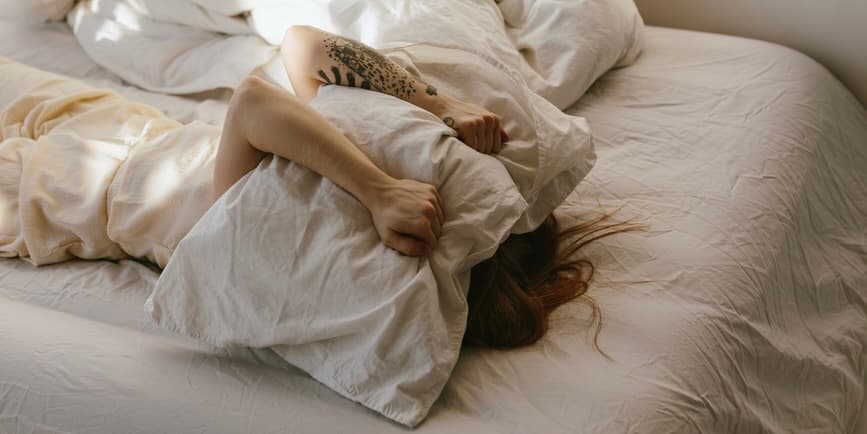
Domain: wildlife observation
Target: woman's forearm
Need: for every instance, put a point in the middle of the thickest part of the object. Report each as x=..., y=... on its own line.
x=264, y=119
x=274, y=123
x=313, y=57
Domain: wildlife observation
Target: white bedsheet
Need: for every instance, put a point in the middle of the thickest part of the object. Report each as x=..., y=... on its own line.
x=743, y=309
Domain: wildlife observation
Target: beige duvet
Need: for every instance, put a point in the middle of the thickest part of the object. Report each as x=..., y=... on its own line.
x=85, y=173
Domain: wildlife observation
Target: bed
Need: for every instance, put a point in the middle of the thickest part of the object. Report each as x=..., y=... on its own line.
x=746, y=159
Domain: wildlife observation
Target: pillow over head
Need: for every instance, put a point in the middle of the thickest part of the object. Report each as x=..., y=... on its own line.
x=287, y=260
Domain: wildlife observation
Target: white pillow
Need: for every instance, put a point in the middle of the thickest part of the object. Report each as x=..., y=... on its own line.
x=549, y=151
x=567, y=44
x=289, y=261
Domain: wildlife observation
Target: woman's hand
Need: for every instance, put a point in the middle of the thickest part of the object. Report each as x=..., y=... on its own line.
x=477, y=127
x=408, y=216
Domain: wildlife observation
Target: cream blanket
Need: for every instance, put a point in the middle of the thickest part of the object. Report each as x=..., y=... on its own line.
x=85, y=173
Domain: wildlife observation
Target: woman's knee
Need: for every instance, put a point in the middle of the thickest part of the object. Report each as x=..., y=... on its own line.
x=248, y=103
x=250, y=92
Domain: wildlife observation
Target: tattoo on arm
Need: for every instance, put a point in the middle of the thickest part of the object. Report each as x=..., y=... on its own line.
x=336, y=73
x=324, y=76
x=374, y=70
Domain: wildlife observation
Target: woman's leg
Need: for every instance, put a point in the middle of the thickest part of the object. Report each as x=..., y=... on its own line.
x=235, y=156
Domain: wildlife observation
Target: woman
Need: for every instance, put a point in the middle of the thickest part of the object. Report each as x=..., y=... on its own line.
x=85, y=173
x=511, y=294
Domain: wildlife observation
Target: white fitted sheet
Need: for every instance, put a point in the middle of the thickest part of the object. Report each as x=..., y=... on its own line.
x=742, y=156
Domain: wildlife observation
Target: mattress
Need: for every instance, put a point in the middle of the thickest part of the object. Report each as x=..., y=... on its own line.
x=741, y=156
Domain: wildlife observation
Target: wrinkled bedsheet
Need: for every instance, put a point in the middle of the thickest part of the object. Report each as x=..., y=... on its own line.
x=742, y=309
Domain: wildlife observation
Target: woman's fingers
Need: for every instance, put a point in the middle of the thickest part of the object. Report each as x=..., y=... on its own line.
x=420, y=229
x=438, y=205
x=479, y=128
x=404, y=244
x=484, y=134
x=432, y=214
x=408, y=216
x=490, y=121
x=469, y=136
x=498, y=137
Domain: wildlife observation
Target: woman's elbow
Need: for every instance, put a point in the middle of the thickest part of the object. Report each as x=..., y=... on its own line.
x=300, y=41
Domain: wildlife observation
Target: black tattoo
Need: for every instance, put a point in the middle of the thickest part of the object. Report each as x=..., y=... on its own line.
x=324, y=76
x=350, y=79
x=336, y=73
x=375, y=70
x=448, y=120
x=432, y=91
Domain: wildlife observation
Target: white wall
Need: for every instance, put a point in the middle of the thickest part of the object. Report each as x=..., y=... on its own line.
x=834, y=32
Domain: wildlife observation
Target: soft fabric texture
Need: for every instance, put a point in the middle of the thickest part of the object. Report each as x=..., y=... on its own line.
x=286, y=260
x=566, y=45
x=289, y=261
x=182, y=55
x=741, y=310
x=88, y=174
x=173, y=45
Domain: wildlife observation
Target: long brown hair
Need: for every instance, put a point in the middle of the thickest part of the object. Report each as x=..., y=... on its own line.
x=512, y=294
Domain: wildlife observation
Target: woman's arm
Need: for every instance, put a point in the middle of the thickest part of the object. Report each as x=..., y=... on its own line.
x=313, y=58
x=264, y=119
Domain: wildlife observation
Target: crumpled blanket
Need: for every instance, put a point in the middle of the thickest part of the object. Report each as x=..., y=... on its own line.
x=86, y=173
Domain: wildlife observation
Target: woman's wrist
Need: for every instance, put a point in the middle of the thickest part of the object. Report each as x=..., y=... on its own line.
x=371, y=188
x=432, y=100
